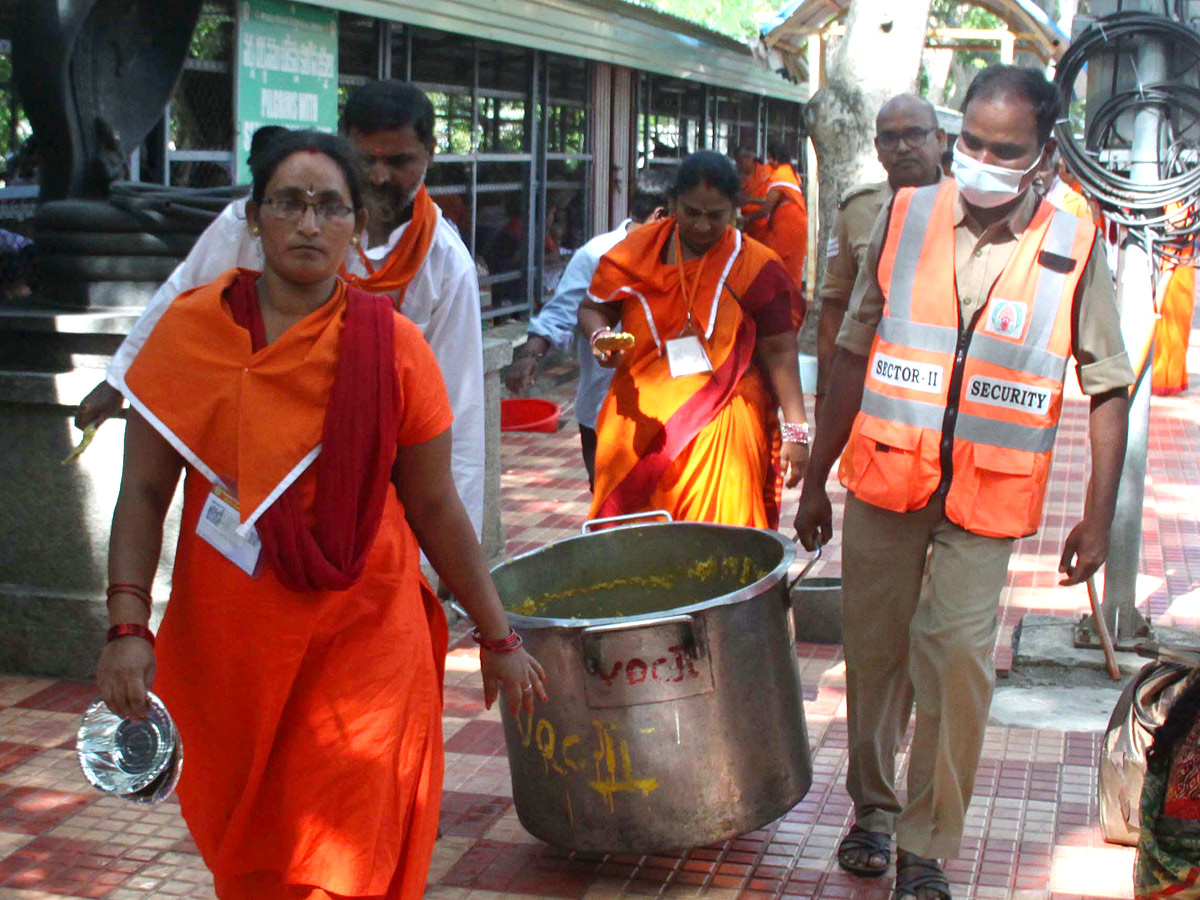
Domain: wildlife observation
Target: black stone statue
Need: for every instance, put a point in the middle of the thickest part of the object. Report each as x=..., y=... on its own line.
x=94, y=77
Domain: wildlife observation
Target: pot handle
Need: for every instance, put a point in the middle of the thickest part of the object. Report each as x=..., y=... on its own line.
x=592, y=524
x=812, y=561
x=687, y=628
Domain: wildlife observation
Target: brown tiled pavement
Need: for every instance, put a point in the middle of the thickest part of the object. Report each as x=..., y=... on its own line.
x=1032, y=829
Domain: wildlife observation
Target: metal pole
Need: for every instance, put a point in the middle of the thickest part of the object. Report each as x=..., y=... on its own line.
x=1136, y=297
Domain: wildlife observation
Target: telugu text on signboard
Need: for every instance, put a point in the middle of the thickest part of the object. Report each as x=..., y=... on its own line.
x=286, y=70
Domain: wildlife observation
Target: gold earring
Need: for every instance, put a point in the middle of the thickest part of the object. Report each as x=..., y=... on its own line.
x=354, y=239
x=253, y=231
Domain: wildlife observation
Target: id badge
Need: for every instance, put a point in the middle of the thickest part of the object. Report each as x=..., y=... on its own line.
x=686, y=356
x=219, y=521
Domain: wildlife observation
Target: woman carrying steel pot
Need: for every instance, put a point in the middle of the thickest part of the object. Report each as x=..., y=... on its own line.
x=301, y=653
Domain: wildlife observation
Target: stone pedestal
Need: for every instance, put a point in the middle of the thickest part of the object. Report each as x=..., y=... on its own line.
x=55, y=518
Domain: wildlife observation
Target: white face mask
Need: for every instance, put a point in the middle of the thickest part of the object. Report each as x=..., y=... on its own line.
x=984, y=185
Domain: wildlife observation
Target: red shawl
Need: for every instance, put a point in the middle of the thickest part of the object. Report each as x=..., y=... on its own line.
x=358, y=449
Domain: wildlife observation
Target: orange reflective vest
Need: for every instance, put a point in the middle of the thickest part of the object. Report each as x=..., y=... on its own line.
x=968, y=410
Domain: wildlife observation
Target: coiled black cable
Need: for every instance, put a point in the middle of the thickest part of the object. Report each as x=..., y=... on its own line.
x=1161, y=215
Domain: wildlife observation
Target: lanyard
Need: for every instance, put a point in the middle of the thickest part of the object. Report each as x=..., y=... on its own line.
x=689, y=290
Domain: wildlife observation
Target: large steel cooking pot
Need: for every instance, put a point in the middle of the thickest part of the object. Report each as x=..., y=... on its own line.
x=675, y=716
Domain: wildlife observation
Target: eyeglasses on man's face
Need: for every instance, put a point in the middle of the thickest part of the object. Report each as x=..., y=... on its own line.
x=913, y=137
x=292, y=209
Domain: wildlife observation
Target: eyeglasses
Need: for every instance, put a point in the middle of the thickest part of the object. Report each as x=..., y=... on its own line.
x=292, y=210
x=913, y=137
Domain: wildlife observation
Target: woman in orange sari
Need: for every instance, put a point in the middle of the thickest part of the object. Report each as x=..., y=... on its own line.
x=690, y=422
x=301, y=652
x=756, y=182
x=785, y=215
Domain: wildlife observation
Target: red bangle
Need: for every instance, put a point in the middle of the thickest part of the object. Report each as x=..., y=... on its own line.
x=130, y=629
x=133, y=590
x=502, y=645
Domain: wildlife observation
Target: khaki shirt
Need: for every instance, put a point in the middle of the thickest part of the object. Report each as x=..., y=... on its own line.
x=980, y=255
x=848, y=243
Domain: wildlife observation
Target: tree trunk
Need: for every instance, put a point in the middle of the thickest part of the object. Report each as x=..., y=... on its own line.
x=878, y=57
x=937, y=63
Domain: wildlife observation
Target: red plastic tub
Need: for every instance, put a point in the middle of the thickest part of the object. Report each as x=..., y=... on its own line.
x=528, y=414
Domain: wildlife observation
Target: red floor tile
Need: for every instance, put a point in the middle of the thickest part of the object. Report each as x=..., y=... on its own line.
x=71, y=867
x=63, y=696
x=33, y=811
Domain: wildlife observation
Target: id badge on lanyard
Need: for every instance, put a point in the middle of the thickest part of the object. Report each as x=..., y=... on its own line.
x=685, y=352
x=218, y=526
x=686, y=356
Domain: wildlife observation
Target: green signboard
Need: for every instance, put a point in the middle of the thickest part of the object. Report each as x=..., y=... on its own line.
x=287, y=63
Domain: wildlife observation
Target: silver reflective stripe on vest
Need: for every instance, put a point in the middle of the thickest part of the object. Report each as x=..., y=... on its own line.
x=908, y=251
x=979, y=430
x=1060, y=240
x=1033, y=360
x=918, y=335
x=906, y=412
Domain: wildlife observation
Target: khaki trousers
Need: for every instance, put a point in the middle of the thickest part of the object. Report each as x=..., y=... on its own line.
x=929, y=639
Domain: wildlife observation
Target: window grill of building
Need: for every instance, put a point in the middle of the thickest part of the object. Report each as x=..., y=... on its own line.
x=512, y=149
x=734, y=120
x=670, y=119
x=197, y=142
x=358, y=54
x=675, y=118
x=784, y=123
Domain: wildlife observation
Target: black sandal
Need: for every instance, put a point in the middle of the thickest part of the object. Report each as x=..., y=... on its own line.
x=874, y=843
x=914, y=873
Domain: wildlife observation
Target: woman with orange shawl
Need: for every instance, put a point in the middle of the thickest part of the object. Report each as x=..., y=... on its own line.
x=1174, y=331
x=690, y=423
x=756, y=182
x=785, y=215
x=301, y=652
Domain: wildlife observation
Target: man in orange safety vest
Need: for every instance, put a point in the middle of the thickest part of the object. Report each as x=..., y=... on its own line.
x=945, y=395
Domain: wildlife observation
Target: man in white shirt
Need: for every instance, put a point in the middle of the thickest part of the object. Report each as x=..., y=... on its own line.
x=390, y=124
x=555, y=325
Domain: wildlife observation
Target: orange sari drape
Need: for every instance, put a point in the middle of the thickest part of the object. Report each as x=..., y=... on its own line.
x=310, y=721
x=787, y=231
x=1174, y=332
x=699, y=446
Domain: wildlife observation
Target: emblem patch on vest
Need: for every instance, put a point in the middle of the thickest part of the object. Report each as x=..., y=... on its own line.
x=905, y=373
x=1006, y=318
x=1009, y=394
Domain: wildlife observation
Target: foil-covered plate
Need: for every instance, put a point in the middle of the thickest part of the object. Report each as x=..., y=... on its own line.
x=137, y=759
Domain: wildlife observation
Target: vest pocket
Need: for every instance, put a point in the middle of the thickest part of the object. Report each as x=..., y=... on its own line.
x=995, y=491
x=885, y=465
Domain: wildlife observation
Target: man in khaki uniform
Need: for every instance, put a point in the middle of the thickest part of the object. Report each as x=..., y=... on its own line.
x=928, y=641
x=909, y=145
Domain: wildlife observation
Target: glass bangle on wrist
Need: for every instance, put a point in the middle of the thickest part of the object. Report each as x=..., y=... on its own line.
x=795, y=434
x=498, y=645
x=130, y=629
